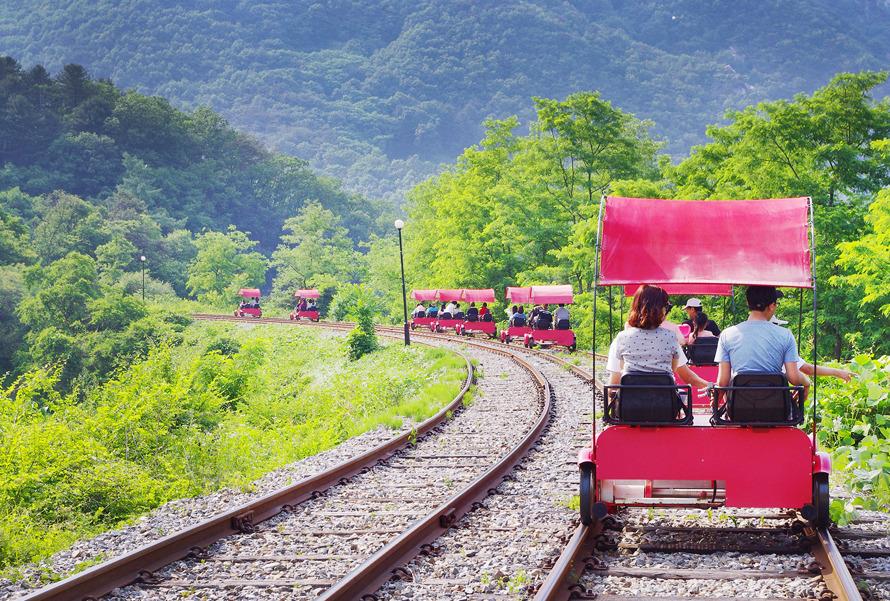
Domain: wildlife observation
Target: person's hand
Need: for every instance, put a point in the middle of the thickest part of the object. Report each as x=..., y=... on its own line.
x=845, y=375
x=706, y=389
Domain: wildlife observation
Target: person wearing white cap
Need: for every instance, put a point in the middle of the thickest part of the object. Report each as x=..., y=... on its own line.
x=810, y=369
x=693, y=307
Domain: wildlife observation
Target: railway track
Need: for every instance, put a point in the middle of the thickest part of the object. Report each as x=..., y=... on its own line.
x=590, y=558
x=400, y=508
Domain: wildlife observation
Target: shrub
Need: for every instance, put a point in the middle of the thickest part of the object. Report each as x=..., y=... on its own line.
x=362, y=339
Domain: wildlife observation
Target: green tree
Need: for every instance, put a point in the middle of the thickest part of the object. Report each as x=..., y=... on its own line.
x=12, y=332
x=827, y=146
x=68, y=224
x=114, y=258
x=317, y=252
x=224, y=263
x=867, y=264
x=15, y=242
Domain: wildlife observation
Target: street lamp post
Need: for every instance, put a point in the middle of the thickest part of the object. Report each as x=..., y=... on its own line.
x=142, y=261
x=399, y=225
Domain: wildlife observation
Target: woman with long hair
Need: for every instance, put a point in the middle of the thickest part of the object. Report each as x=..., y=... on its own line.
x=645, y=346
x=699, y=324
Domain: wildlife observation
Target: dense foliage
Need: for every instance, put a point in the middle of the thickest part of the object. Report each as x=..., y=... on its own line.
x=122, y=151
x=219, y=410
x=380, y=92
x=855, y=422
x=522, y=209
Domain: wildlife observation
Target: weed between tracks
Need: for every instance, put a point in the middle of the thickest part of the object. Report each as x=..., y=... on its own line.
x=226, y=406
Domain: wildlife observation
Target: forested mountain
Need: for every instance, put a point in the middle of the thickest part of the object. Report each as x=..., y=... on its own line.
x=138, y=157
x=378, y=92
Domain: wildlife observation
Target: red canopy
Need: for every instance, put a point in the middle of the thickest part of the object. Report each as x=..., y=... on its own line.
x=551, y=294
x=474, y=295
x=310, y=293
x=453, y=294
x=249, y=292
x=521, y=296
x=690, y=289
x=754, y=242
x=424, y=295
x=540, y=294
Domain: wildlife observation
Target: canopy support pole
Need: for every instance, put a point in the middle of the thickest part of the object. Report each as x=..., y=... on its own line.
x=800, y=320
x=596, y=279
x=815, y=318
x=611, y=327
x=724, y=312
x=621, y=311
x=732, y=304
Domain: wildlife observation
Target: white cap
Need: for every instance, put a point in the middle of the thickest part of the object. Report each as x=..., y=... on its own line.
x=777, y=321
x=693, y=302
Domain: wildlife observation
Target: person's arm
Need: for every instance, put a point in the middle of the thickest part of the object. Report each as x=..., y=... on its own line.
x=690, y=377
x=796, y=378
x=832, y=372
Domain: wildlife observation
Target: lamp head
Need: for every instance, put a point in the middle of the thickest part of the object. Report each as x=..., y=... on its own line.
x=142, y=258
x=399, y=224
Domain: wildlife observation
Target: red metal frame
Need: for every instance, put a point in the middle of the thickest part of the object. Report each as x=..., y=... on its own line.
x=443, y=324
x=756, y=467
x=310, y=315
x=423, y=322
x=485, y=327
x=558, y=337
x=515, y=333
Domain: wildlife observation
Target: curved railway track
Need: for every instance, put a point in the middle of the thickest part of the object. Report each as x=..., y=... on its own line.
x=590, y=554
x=413, y=527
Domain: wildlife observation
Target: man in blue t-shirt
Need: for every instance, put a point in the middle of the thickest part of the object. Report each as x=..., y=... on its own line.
x=756, y=345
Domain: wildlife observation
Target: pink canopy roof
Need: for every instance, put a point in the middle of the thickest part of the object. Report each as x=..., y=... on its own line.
x=452, y=294
x=424, y=295
x=474, y=295
x=519, y=295
x=551, y=294
x=754, y=242
x=310, y=293
x=540, y=294
x=690, y=289
x=249, y=292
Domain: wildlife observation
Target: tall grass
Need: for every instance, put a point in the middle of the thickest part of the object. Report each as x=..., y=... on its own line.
x=230, y=403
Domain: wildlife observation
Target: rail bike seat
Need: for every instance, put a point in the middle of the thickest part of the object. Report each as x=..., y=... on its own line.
x=702, y=351
x=759, y=399
x=648, y=399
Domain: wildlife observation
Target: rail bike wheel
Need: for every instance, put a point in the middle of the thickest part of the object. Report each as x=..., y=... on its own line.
x=821, y=501
x=586, y=493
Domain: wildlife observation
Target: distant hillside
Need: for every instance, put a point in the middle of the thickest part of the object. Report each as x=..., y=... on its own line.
x=378, y=92
x=129, y=153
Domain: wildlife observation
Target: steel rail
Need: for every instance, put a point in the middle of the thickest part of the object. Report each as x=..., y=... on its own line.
x=834, y=569
x=127, y=568
x=380, y=567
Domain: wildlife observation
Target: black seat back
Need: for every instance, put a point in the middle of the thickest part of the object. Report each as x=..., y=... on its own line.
x=563, y=324
x=487, y=317
x=648, y=404
x=760, y=405
x=702, y=351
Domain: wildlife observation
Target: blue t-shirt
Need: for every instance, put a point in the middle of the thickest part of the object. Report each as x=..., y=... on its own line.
x=756, y=346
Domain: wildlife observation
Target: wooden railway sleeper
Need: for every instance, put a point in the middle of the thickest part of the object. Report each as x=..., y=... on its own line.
x=401, y=573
